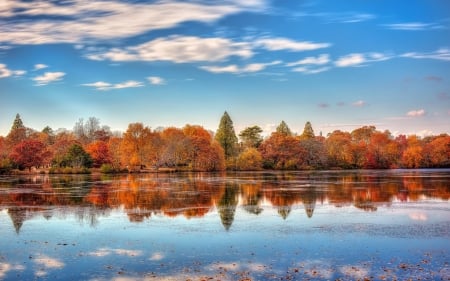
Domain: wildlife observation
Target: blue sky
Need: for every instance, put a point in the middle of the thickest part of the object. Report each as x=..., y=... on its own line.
x=338, y=64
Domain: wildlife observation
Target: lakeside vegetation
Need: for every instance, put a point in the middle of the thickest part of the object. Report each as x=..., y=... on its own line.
x=192, y=148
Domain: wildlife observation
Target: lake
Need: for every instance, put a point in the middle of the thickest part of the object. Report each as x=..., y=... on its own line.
x=321, y=225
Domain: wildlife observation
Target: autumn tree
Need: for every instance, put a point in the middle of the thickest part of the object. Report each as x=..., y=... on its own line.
x=204, y=153
x=249, y=160
x=114, y=147
x=226, y=136
x=339, y=149
x=251, y=137
x=63, y=141
x=136, y=146
x=437, y=152
x=174, y=151
x=28, y=153
x=99, y=153
x=281, y=151
x=412, y=155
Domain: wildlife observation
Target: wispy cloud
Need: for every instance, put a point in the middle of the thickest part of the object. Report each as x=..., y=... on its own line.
x=360, y=59
x=253, y=67
x=155, y=80
x=416, y=113
x=413, y=26
x=323, y=105
x=440, y=54
x=86, y=20
x=277, y=44
x=309, y=70
x=320, y=60
x=48, y=77
x=359, y=103
x=6, y=72
x=40, y=66
x=105, y=86
x=348, y=17
x=179, y=49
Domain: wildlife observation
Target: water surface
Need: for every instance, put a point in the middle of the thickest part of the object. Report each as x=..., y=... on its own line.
x=347, y=225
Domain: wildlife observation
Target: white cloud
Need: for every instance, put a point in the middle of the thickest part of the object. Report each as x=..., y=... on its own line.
x=413, y=26
x=5, y=72
x=253, y=67
x=440, y=54
x=308, y=70
x=277, y=44
x=358, y=59
x=86, y=20
x=179, y=49
x=359, y=103
x=350, y=60
x=40, y=66
x=157, y=256
x=48, y=77
x=105, y=86
x=155, y=80
x=416, y=113
x=320, y=60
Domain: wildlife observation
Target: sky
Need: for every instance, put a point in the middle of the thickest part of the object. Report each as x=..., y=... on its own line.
x=339, y=64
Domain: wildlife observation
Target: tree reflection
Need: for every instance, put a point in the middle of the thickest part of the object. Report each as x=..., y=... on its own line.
x=88, y=198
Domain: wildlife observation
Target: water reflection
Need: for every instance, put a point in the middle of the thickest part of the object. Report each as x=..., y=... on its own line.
x=196, y=194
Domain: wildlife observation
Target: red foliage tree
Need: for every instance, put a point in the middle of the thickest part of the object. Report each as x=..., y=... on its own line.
x=29, y=153
x=99, y=152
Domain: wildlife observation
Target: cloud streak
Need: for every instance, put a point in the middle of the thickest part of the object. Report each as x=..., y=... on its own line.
x=105, y=86
x=249, y=68
x=278, y=44
x=178, y=49
x=360, y=59
x=416, y=113
x=6, y=72
x=440, y=54
x=155, y=80
x=413, y=26
x=88, y=20
x=48, y=77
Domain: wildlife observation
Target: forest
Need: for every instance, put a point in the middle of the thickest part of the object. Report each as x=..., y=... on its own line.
x=91, y=146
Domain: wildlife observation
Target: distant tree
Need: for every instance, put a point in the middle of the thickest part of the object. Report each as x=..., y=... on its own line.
x=284, y=129
x=363, y=134
x=28, y=153
x=226, y=136
x=136, y=145
x=18, y=131
x=77, y=157
x=79, y=131
x=308, y=132
x=249, y=160
x=99, y=152
x=281, y=151
x=437, y=152
x=251, y=137
x=339, y=149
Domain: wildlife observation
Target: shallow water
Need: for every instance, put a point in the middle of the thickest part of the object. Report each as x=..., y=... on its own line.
x=347, y=225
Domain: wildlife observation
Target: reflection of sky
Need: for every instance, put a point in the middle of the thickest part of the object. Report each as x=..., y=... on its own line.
x=336, y=242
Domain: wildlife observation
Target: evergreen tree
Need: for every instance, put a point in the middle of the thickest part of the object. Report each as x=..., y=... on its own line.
x=284, y=129
x=308, y=132
x=17, y=124
x=226, y=136
x=251, y=137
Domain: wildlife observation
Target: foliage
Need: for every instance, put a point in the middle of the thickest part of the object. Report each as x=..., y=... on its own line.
x=28, y=153
x=226, y=136
x=283, y=129
x=251, y=137
x=76, y=157
x=249, y=160
x=308, y=132
x=194, y=148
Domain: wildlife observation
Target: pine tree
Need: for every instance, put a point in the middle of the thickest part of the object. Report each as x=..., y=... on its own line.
x=226, y=136
x=284, y=129
x=308, y=132
x=17, y=124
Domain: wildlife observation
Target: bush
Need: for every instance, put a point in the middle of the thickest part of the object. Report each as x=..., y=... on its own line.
x=108, y=169
x=5, y=166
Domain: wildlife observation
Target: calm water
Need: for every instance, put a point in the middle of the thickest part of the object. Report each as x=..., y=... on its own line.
x=346, y=225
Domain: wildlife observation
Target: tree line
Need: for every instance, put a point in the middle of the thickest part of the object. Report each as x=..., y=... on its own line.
x=193, y=148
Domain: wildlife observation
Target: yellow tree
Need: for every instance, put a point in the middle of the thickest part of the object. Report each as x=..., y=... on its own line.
x=136, y=145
